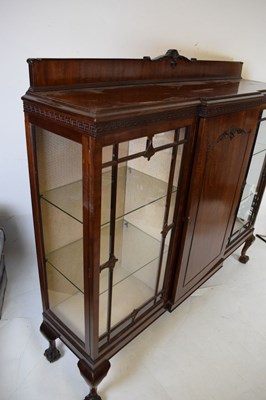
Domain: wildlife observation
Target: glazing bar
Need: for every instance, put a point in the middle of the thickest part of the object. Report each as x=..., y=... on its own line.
x=149, y=304
x=112, y=237
x=167, y=227
x=142, y=153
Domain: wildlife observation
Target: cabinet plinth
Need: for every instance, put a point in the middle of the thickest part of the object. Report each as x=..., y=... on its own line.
x=145, y=175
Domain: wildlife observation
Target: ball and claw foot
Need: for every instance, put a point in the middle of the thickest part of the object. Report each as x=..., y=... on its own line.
x=243, y=259
x=93, y=395
x=52, y=353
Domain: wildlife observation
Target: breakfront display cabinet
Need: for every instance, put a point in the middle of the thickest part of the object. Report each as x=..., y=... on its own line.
x=145, y=175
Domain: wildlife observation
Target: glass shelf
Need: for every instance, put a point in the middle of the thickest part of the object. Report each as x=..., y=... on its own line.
x=68, y=198
x=134, y=275
x=68, y=260
x=66, y=301
x=259, y=147
x=243, y=215
x=249, y=190
x=70, y=308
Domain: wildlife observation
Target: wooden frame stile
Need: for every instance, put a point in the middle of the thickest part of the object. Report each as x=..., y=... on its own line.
x=181, y=217
x=51, y=353
x=91, y=370
x=188, y=208
x=33, y=174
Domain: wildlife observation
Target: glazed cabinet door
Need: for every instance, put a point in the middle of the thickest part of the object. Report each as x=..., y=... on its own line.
x=223, y=150
x=140, y=181
x=253, y=187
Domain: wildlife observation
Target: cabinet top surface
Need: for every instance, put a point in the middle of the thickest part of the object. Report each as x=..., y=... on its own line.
x=101, y=89
x=99, y=101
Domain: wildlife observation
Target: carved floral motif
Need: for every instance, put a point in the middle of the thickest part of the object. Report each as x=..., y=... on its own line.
x=231, y=134
x=173, y=56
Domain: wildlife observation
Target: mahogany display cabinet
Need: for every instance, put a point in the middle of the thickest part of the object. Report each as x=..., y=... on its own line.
x=145, y=175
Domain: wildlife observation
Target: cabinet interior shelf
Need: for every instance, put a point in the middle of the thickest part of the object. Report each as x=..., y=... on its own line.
x=137, y=249
x=68, y=260
x=136, y=188
x=259, y=147
x=134, y=273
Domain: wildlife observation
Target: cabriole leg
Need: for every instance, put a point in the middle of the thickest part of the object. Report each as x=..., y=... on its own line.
x=52, y=353
x=244, y=258
x=93, y=377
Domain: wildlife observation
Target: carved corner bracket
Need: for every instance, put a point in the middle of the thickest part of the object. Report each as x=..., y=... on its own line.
x=109, y=263
x=150, y=151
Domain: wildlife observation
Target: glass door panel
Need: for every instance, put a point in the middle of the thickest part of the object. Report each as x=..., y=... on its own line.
x=59, y=162
x=246, y=213
x=140, y=185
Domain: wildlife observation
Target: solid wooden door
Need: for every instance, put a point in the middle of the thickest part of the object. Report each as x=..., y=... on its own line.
x=224, y=145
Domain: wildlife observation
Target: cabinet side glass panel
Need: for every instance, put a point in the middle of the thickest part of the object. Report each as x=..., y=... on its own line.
x=59, y=162
x=141, y=185
x=247, y=206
